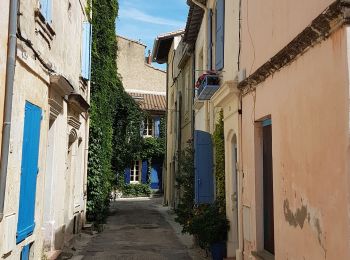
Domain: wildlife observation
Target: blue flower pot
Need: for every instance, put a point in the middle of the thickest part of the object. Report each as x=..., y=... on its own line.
x=218, y=251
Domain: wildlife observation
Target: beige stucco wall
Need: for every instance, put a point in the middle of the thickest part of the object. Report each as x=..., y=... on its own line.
x=226, y=99
x=131, y=63
x=32, y=82
x=309, y=107
x=270, y=25
x=38, y=96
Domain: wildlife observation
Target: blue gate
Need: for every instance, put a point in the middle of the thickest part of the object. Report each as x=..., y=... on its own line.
x=29, y=171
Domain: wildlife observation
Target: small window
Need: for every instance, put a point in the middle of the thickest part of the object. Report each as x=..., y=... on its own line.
x=46, y=10
x=86, y=51
x=135, y=172
x=148, y=127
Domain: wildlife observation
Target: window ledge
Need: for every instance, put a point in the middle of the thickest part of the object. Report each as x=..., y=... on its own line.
x=263, y=255
x=45, y=29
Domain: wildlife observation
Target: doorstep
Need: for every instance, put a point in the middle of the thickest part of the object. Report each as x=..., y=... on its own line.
x=52, y=255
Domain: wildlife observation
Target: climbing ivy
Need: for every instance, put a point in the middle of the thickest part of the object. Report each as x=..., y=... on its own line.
x=185, y=183
x=219, y=157
x=115, y=118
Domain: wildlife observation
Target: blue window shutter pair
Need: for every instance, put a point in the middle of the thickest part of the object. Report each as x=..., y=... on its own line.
x=156, y=126
x=220, y=34
x=209, y=53
x=127, y=175
x=46, y=10
x=203, y=163
x=29, y=171
x=144, y=172
x=86, y=51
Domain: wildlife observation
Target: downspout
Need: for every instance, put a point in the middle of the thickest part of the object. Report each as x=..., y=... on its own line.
x=10, y=76
x=240, y=167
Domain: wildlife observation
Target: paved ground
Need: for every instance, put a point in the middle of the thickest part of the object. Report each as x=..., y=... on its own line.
x=138, y=229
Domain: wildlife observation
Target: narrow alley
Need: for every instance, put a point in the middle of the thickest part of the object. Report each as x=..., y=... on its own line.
x=137, y=229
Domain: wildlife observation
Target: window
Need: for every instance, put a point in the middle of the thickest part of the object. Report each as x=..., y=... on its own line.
x=86, y=51
x=135, y=172
x=46, y=10
x=148, y=127
x=220, y=32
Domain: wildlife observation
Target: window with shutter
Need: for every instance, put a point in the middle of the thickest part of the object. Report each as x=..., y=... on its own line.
x=220, y=32
x=29, y=171
x=156, y=126
x=127, y=175
x=209, y=53
x=144, y=172
x=203, y=163
x=46, y=10
x=86, y=51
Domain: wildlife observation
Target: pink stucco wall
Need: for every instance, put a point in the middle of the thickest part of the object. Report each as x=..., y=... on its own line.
x=269, y=25
x=309, y=107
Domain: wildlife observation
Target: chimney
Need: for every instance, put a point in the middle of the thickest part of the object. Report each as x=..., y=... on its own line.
x=149, y=58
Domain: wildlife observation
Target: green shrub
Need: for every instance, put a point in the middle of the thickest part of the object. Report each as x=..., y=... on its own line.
x=136, y=190
x=185, y=183
x=209, y=224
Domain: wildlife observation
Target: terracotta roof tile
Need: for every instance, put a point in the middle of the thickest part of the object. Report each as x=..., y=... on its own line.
x=148, y=101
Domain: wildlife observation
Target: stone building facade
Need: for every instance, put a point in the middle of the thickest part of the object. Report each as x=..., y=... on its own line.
x=147, y=86
x=45, y=189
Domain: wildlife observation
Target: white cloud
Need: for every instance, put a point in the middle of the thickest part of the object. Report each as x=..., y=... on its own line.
x=135, y=14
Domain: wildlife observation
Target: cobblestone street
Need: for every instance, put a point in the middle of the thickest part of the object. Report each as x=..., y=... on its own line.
x=138, y=229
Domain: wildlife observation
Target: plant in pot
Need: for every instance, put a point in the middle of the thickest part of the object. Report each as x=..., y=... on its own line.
x=210, y=225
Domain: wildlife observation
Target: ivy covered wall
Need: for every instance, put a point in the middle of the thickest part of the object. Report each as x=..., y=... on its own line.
x=114, y=116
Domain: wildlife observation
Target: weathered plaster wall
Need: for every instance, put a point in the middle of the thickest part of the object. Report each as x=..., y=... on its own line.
x=268, y=26
x=38, y=96
x=309, y=107
x=62, y=54
x=135, y=72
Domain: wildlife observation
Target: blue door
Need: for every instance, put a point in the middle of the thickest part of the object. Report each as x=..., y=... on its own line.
x=203, y=163
x=156, y=173
x=29, y=171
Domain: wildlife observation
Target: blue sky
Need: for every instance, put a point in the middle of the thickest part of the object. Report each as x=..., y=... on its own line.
x=145, y=19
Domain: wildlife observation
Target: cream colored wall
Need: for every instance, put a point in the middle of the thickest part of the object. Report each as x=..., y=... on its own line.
x=270, y=25
x=131, y=62
x=37, y=95
x=32, y=80
x=171, y=96
x=309, y=106
x=226, y=98
x=64, y=51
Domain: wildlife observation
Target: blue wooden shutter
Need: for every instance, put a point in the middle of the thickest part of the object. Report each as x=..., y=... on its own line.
x=203, y=163
x=43, y=7
x=25, y=252
x=29, y=171
x=127, y=175
x=156, y=126
x=209, y=52
x=144, y=171
x=46, y=10
x=86, y=51
x=49, y=11
x=220, y=32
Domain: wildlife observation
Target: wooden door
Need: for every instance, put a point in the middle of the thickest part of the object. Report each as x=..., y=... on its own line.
x=269, y=241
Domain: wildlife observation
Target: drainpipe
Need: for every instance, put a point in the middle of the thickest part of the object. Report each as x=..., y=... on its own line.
x=10, y=75
x=199, y=4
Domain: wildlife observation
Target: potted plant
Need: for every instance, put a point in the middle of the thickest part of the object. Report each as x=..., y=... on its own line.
x=210, y=225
